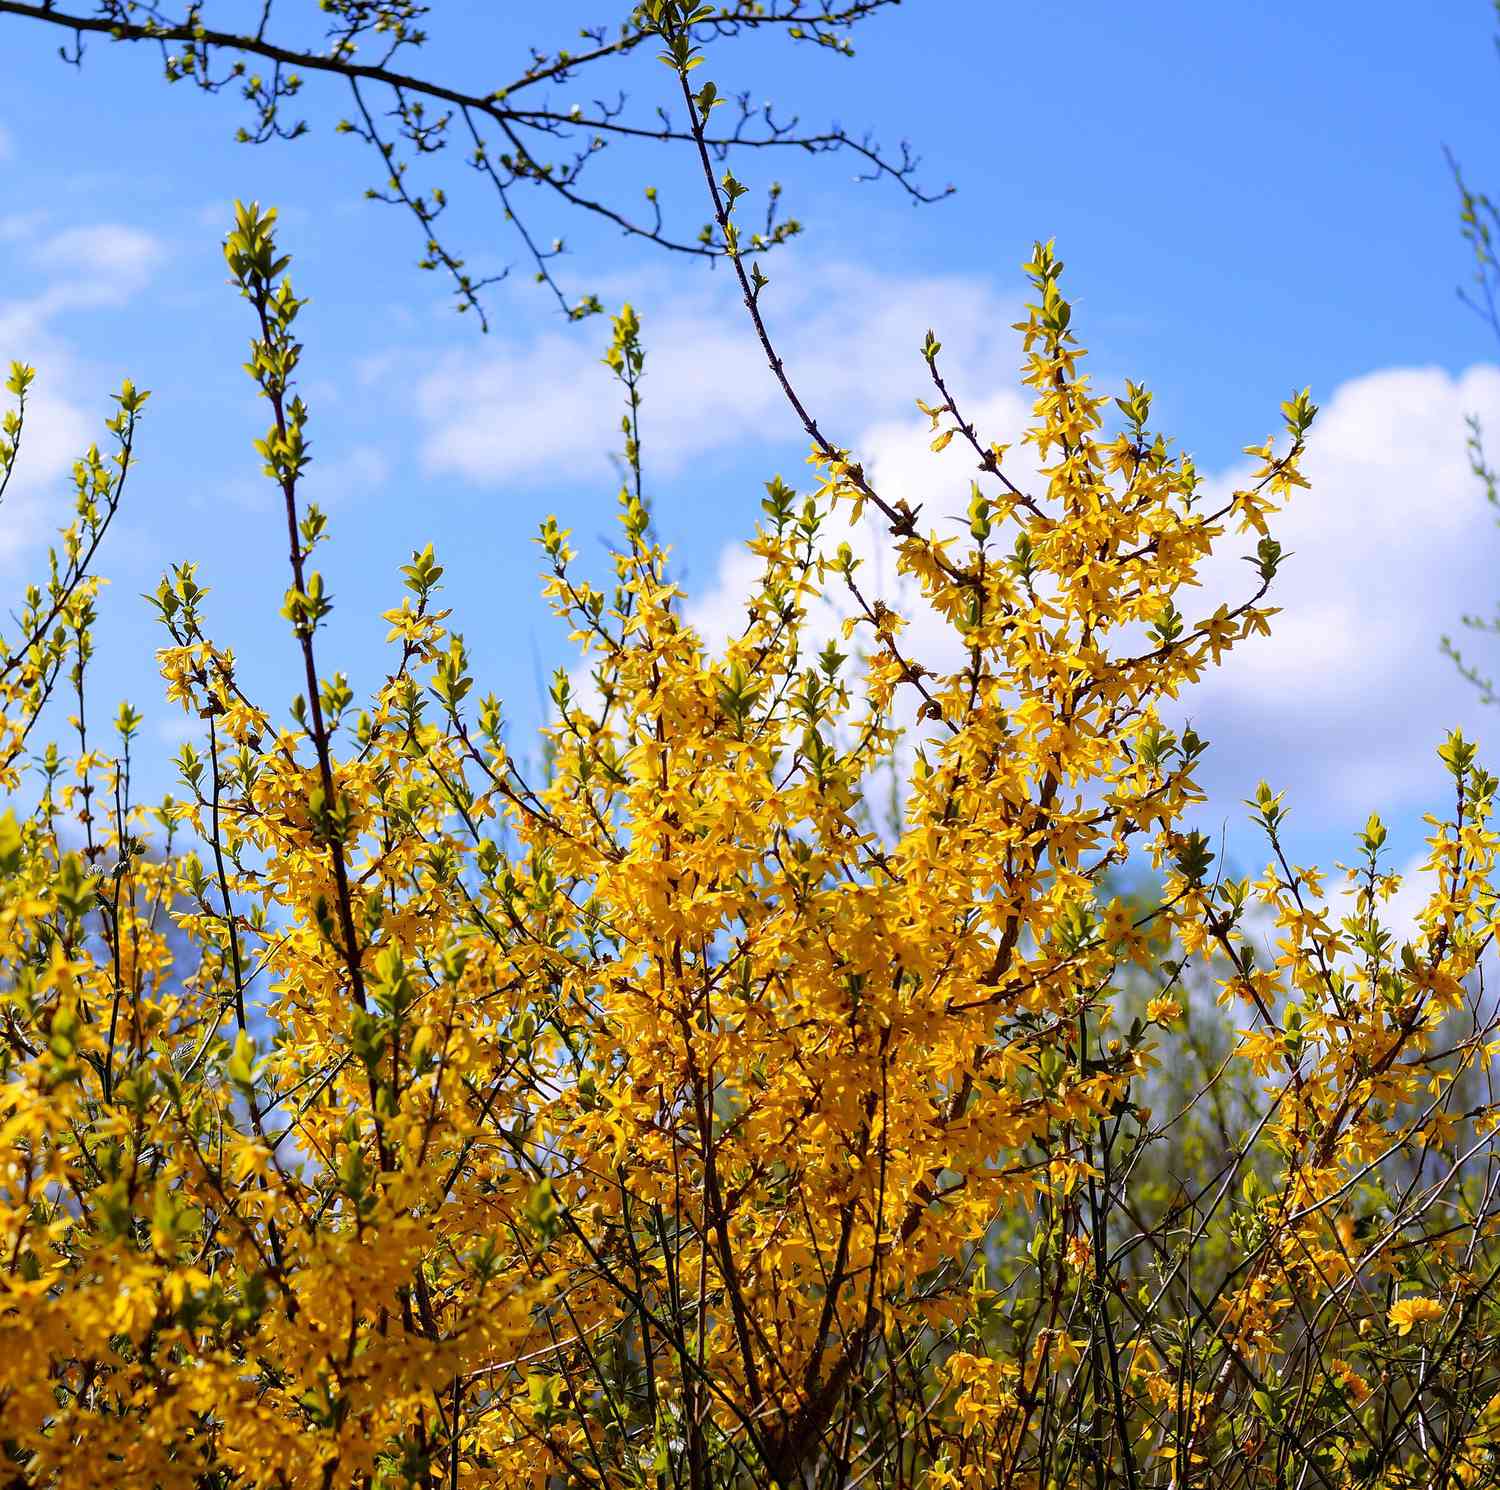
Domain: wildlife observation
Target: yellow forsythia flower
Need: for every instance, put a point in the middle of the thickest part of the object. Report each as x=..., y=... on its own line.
x=1408, y=1313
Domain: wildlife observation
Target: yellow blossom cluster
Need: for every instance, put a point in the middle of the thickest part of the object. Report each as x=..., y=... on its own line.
x=668, y=1115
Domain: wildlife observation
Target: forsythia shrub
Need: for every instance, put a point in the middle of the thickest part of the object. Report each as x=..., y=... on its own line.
x=395, y=1116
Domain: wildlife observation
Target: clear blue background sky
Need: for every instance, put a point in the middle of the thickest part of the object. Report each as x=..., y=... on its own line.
x=1248, y=196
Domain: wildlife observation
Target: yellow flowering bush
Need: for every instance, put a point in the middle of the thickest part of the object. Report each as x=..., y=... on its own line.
x=384, y=1114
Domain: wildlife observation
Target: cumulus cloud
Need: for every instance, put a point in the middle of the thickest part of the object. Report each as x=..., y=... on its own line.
x=1344, y=705
x=97, y=264
x=493, y=416
x=1399, y=914
x=348, y=476
x=57, y=432
x=1346, y=701
x=79, y=268
x=18, y=226
x=82, y=267
x=898, y=457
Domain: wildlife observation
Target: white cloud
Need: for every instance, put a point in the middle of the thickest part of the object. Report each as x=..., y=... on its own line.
x=348, y=476
x=99, y=264
x=850, y=338
x=79, y=268
x=1346, y=702
x=902, y=466
x=17, y=226
x=1399, y=914
x=56, y=433
x=1343, y=706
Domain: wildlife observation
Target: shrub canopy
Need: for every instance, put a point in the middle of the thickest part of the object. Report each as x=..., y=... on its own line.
x=387, y=1114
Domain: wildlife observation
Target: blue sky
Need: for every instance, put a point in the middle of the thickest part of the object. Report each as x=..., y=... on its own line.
x=1249, y=197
